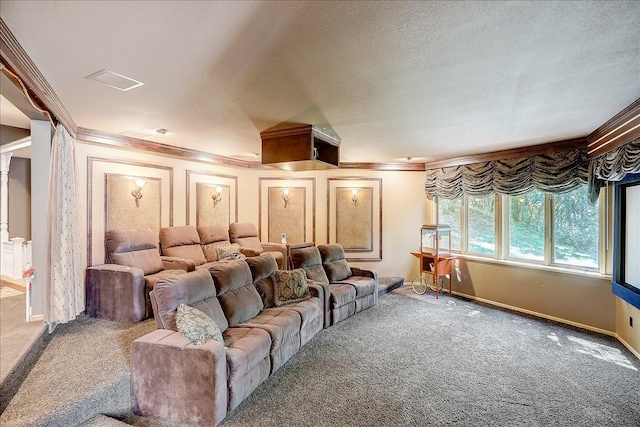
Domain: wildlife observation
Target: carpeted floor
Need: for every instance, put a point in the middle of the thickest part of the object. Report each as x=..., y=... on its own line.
x=16, y=334
x=408, y=361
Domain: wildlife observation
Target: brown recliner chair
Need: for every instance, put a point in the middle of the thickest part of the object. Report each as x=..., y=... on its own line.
x=197, y=246
x=338, y=271
x=119, y=290
x=350, y=289
x=246, y=235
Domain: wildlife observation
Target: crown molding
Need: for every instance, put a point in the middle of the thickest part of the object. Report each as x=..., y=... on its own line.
x=532, y=150
x=116, y=140
x=390, y=166
x=618, y=130
x=16, y=59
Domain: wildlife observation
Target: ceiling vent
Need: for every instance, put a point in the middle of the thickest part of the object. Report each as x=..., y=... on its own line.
x=114, y=80
x=300, y=147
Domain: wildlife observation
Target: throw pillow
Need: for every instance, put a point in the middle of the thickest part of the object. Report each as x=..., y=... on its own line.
x=197, y=326
x=231, y=251
x=290, y=286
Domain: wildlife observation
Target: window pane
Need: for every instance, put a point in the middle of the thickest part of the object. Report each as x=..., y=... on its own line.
x=482, y=235
x=575, y=229
x=449, y=214
x=526, y=226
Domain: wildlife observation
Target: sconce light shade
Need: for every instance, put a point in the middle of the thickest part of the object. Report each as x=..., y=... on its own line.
x=217, y=196
x=354, y=196
x=285, y=196
x=137, y=192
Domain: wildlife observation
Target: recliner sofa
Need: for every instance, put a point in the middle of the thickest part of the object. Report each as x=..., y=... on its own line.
x=119, y=290
x=350, y=289
x=175, y=379
x=196, y=246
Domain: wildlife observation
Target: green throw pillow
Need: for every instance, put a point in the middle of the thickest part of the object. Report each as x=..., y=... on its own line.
x=290, y=286
x=197, y=326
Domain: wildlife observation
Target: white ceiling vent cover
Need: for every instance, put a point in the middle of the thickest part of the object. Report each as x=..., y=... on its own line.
x=114, y=80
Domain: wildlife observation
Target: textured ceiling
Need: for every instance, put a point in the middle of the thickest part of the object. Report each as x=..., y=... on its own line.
x=430, y=80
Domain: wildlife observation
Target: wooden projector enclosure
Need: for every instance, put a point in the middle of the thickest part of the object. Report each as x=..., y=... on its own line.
x=299, y=148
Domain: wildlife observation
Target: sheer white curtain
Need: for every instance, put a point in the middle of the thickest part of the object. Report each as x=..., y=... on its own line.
x=64, y=287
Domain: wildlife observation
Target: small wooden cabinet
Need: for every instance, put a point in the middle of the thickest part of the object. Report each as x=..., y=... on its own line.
x=435, y=257
x=300, y=147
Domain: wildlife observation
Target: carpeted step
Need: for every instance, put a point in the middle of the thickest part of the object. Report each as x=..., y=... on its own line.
x=387, y=284
x=103, y=421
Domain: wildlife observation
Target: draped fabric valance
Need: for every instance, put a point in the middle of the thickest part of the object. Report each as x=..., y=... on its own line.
x=556, y=173
x=613, y=166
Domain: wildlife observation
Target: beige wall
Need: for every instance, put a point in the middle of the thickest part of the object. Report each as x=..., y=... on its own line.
x=405, y=208
x=573, y=298
x=20, y=198
x=630, y=335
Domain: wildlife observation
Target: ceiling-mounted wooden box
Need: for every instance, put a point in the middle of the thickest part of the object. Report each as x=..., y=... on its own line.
x=299, y=147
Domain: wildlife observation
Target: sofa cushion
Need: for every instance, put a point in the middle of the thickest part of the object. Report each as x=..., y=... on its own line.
x=196, y=326
x=148, y=260
x=118, y=241
x=196, y=289
x=183, y=242
x=290, y=286
x=262, y=268
x=248, y=361
x=283, y=325
x=334, y=263
x=246, y=348
x=246, y=235
x=341, y=295
x=238, y=297
x=363, y=285
x=211, y=236
x=310, y=260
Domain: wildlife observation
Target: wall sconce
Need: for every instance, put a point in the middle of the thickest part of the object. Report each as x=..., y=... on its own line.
x=285, y=196
x=354, y=196
x=217, y=196
x=137, y=192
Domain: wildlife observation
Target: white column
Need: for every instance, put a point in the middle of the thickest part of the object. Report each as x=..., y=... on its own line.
x=5, y=160
x=17, y=257
x=40, y=154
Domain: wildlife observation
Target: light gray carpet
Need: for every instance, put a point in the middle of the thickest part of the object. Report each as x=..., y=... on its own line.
x=16, y=334
x=84, y=371
x=407, y=361
x=420, y=361
x=21, y=344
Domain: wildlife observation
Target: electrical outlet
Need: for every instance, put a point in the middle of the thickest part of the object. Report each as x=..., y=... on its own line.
x=631, y=321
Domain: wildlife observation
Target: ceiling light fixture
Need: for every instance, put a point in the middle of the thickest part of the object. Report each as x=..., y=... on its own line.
x=161, y=131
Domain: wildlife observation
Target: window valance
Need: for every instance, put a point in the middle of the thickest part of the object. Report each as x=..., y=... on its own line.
x=556, y=173
x=613, y=166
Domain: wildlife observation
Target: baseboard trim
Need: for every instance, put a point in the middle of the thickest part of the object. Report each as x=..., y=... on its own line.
x=36, y=318
x=626, y=344
x=535, y=313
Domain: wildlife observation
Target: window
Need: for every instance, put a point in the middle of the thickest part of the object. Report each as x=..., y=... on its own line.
x=575, y=229
x=481, y=214
x=449, y=212
x=526, y=226
x=538, y=227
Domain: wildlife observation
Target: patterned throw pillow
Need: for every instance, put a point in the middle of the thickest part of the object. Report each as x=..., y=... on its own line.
x=231, y=251
x=197, y=326
x=290, y=286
